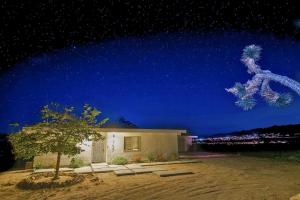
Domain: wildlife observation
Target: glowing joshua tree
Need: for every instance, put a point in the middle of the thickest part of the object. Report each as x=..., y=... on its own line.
x=260, y=82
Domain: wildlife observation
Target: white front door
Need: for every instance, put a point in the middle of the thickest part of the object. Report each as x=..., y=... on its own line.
x=98, y=151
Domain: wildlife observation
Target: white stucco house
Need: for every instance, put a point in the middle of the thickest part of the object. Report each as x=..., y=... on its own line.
x=125, y=142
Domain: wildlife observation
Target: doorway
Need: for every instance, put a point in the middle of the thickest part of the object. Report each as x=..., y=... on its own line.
x=98, y=151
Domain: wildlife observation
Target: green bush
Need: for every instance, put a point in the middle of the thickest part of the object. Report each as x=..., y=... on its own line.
x=38, y=165
x=151, y=157
x=119, y=160
x=76, y=163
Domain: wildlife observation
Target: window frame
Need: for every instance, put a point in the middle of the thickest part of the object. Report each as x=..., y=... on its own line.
x=139, y=144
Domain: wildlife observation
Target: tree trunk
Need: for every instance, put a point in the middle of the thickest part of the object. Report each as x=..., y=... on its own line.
x=56, y=176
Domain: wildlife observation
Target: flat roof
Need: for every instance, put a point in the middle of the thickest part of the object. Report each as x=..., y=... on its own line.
x=142, y=130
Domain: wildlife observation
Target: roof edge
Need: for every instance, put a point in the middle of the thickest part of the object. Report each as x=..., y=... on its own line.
x=142, y=130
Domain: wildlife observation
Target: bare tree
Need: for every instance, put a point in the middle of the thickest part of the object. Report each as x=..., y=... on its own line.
x=260, y=83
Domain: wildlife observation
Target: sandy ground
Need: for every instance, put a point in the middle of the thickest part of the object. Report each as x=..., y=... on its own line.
x=230, y=178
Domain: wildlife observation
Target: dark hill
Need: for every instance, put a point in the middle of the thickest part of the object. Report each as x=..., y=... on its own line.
x=291, y=129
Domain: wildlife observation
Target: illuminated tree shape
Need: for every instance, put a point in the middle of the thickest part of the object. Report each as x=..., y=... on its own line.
x=260, y=82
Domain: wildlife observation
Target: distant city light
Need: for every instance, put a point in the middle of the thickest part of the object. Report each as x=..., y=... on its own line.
x=255, y=138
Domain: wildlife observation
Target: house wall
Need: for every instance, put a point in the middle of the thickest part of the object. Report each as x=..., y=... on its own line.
x=165, y=143
x=156, y=143
x=49, y=160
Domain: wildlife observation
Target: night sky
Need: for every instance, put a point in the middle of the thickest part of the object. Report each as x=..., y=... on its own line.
x=159, y=65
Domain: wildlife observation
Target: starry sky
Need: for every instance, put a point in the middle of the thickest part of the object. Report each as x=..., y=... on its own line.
x=159, y=65
x=163, y=81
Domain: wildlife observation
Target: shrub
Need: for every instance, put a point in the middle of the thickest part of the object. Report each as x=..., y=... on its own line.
x=159, y=157
x=38, y=165
x=136, y=158
x=33, y=182
x=76, y=163
x=119, y=160
x=151, y=157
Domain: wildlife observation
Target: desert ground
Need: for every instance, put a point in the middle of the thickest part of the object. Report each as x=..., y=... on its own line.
x=233, y=178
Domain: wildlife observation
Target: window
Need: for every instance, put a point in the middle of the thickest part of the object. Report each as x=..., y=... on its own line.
x=132, y=143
